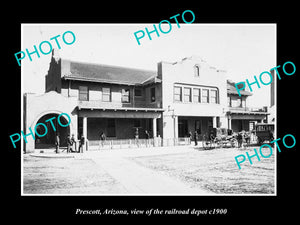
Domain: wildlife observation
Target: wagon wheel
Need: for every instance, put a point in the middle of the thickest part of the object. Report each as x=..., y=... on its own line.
x=206, y=144
x=218, y=143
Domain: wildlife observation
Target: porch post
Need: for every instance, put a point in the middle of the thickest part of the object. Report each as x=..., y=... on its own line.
x=229, y=123
x=214, y=121
x=84, y=122
x=154, y=128
x=175, y=126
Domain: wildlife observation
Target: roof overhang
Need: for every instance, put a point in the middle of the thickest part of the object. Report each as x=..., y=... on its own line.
x=247, y=115
x=133, y=109
x=99, y=80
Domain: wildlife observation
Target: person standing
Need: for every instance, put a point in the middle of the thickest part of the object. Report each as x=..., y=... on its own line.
x=247, y=138
x=147, y=134
x=69, y=143
x=239, y=139
x=81, y=145
x=73, y=141
x=190, y=135
x=57, y=142
x=102, y=139
x=196, y=138
x=136, y=136
x=147, y=138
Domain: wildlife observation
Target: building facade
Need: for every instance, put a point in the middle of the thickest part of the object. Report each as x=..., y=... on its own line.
x=178, y=98
x=194, y=97
x=239, y=115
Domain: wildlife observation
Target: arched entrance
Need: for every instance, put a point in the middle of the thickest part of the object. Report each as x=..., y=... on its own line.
x=48, y=141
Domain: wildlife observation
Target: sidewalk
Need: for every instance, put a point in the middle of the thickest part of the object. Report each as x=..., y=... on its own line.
x=140, y=180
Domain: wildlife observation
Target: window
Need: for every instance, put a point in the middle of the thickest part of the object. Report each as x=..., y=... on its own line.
x=106, y=95
x=204, y=97
x=152, y=94
x=111, y=128
x=177, y=94
x=213, y=96
x=137, y=92
x=197, y=70
x=125, y=96
x=187, y=95
x=83, y=93
x=238, y=102
x=196, y=95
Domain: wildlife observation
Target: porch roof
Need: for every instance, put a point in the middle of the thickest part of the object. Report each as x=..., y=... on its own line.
x=247, y=115
x=231, y=89
x=135, y=109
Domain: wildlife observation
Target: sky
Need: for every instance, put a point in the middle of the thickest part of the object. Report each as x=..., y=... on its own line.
x=243, y=50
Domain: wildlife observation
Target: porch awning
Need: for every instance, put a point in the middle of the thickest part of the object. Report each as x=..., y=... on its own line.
x=247, y=115
x=134, y=109
x=129, y=112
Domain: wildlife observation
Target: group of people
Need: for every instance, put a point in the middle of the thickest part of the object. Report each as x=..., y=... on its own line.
x=71, y=143
x=241, y=137
x=136, y=136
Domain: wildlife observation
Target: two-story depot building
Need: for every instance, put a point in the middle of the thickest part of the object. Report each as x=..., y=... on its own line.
x=178, y=98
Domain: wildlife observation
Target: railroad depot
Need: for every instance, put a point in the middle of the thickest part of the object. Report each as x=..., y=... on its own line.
x=123, y=103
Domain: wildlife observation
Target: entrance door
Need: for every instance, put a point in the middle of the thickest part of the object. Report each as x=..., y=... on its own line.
x=182, y=128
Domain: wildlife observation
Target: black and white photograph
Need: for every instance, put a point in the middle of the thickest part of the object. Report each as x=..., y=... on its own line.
x=128, y=112
x=168, y=116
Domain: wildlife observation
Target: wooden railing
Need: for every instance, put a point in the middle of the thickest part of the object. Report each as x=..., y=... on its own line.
x=114, y=104
x=136, y=143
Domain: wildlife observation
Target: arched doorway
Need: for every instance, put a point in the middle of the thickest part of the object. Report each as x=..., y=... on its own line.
x=48, y=141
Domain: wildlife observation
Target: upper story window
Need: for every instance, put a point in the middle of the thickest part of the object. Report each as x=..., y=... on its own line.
x=205, y=96
x=187, y=94
x=152, y=94
x=213, y=96
x=83, y=93
x=177, y=94
x=106, y=95
x=196, y=95
x=236, y=101
x=125, y=96
x=197, y=70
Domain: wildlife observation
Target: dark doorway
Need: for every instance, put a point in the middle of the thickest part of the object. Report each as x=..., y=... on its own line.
x=182, y=128
x=48, y=141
